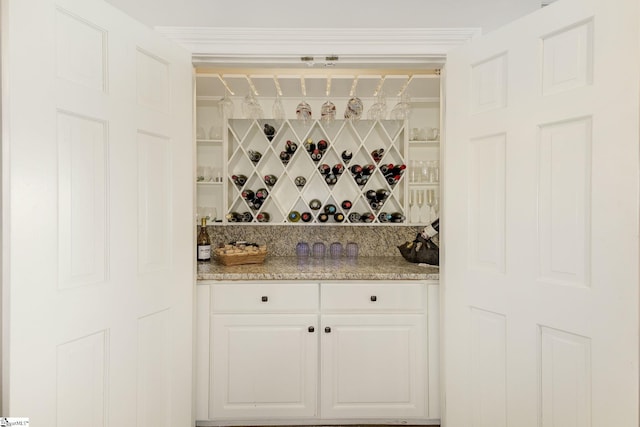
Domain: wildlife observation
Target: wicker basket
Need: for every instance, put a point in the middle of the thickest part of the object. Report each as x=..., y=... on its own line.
x=226, y=257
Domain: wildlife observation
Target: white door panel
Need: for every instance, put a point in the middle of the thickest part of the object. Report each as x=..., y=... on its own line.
x=98, y=239
x=540, y=231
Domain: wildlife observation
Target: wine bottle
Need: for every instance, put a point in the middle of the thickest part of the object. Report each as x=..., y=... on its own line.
x=248, y=195
x=233, y=217
x=285, y=157
x=269, y=131
x=270, y=180
x=316, y=155
x=204, y=243
x=309, y=145
x=397, y=217
x=368, y=169
x=356, y=169
x=338, y=217
x=367, y=217
x=315, y=204
x=324, y=169
x=239, y=180
x=431, y=230
x=384, y=217
x=263, y=217
x=306, y=216
x=300, y=181
x=330, y=209
x=331, y=179
x=371, y=194
x=290, y=147
x=323, y=145
x=377, y=154
x=246, y=217
x=323, y=217
x=381, y=195
x=346, y=156
x=254, y=156
x=346, y=204
x=337, y=169
x=354, y=217
x=294, y=216
x=262, y=193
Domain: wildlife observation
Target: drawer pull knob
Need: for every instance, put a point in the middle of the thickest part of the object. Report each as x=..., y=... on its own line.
x=327, y=329
x=311, y=329
x=265, y=298
x=374, y=298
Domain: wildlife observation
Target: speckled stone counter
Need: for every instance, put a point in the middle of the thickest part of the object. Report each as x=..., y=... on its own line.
x=293, y=268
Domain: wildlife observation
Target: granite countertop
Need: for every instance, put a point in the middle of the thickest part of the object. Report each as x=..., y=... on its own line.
x=293, y=268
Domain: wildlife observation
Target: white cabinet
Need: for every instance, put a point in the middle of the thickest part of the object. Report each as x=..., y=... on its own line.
x=263, y=351
x=373, y=348
x=306, y=352
x=263, y=365
x=373, y=366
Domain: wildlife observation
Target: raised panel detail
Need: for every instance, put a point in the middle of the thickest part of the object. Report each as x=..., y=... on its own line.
x=81, y=384
x=565, y=379
x=564, y=202
x=82, y=200
x=154, y=370
x=489, y=84
x=487, y=187
x=567, y=59
x=154, y=202
x=152, y=81
x=488, y=369
x=80, y=51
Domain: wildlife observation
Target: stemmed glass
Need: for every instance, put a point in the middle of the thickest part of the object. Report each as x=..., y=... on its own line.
x=226, y=107
x=402, y=109
x=251, y=107
x=430, y=203
x=278, y=109
x=378, y=110
x=354, y=109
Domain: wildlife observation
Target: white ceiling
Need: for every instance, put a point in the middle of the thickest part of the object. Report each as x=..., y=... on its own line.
x=352, y=15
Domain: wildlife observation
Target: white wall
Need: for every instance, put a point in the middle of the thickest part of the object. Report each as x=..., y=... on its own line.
x=487, y=14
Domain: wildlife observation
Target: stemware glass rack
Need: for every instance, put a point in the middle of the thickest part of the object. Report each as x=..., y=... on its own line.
x=244, y=137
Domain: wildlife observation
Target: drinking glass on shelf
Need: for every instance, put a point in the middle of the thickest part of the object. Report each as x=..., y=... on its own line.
x=424, y=171
x=414, y=173
x=200, y=174
x=200, y=133
x=215, y=132
x=434, y=171
x=433, y=134
x=431, y=196
x=212, y=214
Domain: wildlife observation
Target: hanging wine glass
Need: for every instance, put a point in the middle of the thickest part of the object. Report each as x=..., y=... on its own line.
x=328, y=112
x=226, y=107
x=378, y=110
x=251, y=108
x=402, y=109
x=303, y=111
x=354, y=109
x=278, y=109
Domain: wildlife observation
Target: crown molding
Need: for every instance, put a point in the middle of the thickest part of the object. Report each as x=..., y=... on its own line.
x=208, y=43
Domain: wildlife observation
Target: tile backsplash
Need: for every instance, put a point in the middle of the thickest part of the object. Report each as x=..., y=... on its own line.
x=281, y=240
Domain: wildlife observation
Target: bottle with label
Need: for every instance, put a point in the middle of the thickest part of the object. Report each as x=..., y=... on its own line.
x=431, y=230
x=204, y=243
x=294, y=216
x=239, y=180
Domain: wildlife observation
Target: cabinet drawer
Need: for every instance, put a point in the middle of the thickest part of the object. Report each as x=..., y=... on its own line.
x=373, y=297
x=264, y=297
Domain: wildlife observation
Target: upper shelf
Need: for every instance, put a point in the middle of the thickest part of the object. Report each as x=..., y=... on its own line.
x=420, y=85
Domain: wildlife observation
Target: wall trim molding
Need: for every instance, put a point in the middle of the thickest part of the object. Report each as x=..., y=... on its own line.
x=208, y=44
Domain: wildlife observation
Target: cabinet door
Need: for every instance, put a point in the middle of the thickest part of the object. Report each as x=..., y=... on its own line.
x=541, y=229
x=97, y=117
x=263, y=366
x=373, y=366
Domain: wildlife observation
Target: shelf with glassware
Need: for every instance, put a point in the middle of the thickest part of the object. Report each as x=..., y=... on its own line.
x=423, y=178
x=209, y=155
x=316, y=172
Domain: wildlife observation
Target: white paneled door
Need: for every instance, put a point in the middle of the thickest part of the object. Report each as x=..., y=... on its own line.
x=97, y=225
x=541, y=261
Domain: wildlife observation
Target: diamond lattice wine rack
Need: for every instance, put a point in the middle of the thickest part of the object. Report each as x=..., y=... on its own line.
x=307, y=178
